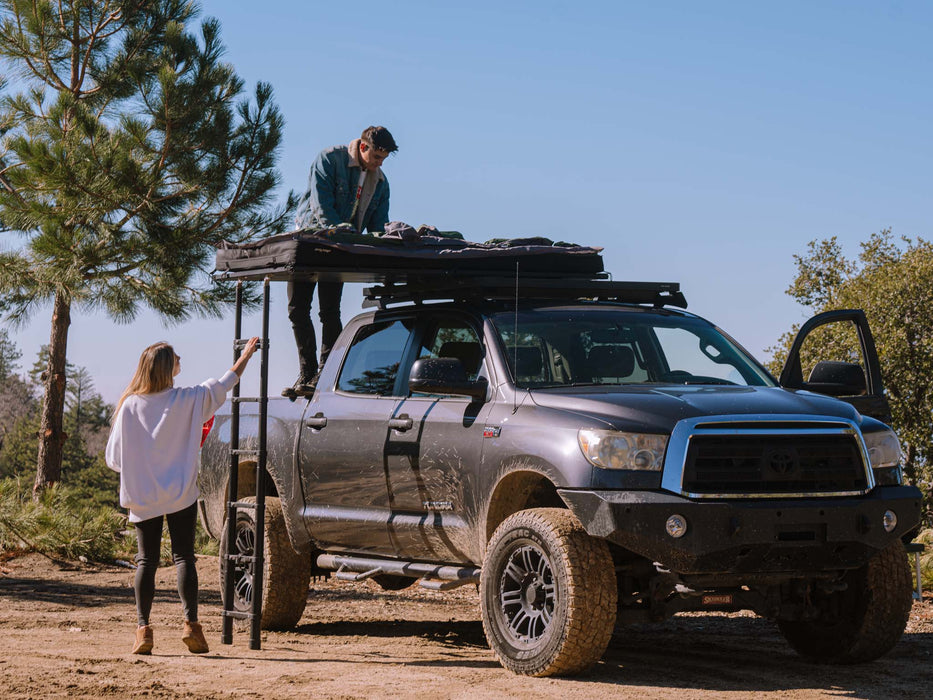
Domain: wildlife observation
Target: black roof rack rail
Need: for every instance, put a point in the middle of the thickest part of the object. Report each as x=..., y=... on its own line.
x=356, y=274
x=596, y=288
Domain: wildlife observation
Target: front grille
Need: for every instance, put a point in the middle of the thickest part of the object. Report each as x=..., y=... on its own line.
x=774, y=464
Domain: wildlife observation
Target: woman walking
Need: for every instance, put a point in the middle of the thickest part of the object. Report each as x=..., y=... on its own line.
x=154, y=445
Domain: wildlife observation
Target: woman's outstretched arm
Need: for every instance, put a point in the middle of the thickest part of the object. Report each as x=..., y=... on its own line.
x=248, y=351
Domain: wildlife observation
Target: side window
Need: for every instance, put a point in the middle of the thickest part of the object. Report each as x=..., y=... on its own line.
x=372, y=361
x=453, y=338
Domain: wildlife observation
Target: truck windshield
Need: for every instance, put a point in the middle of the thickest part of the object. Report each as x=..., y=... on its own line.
x=577, y=347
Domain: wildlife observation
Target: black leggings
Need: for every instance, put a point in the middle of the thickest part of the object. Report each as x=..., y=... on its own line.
x=149, y=535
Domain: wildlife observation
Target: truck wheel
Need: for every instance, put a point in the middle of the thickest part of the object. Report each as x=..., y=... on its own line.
x=862, y=622
x=548, y=594
x=286, y=573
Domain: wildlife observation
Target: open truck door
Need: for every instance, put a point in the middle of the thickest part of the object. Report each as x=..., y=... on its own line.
x=858, y=383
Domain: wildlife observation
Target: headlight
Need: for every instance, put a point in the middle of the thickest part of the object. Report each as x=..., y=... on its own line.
x=611, y=449
x=884, y=449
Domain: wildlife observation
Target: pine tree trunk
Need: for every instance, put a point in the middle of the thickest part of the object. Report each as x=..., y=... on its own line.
x=51, y=431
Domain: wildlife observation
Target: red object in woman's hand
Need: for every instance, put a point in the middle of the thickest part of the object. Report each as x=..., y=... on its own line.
x=206, y=428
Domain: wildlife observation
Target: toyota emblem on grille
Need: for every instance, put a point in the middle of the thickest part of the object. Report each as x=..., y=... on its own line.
x=782, y=461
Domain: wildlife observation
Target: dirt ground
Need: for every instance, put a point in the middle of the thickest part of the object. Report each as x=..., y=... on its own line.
x=66, y=631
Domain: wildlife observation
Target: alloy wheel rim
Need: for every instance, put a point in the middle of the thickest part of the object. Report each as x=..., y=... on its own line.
x=527, y=595
x=243, y=573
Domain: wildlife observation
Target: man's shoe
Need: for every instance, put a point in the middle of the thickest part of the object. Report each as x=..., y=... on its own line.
x=143, y=640
x=193, y=637
x=302, y=387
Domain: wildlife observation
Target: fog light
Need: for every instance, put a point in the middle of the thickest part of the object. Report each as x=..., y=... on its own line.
x=889, y=520
x=676, y=526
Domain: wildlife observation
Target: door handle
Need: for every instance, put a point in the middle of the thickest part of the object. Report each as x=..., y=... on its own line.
x=402, y=423
x=316, y=421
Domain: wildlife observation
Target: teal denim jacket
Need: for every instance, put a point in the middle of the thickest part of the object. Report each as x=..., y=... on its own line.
x=331, y=193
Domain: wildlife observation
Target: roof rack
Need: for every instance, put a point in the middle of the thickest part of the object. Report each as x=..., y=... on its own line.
x=357, y=274
x=596, y=288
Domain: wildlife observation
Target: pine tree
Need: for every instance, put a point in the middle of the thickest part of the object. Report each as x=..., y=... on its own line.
x=128, y=151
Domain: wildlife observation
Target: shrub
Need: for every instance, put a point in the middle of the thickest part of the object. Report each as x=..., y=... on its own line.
x=926, y=559
x=60, y=524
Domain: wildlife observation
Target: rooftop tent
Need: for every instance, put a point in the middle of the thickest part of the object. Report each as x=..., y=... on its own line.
x=335, y=254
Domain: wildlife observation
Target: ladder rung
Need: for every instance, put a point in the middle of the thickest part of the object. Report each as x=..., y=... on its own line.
x=242, y=451
x=249, y=505
x=237, y=614
x=240, y=558
x=246, y=399
x=241, y=343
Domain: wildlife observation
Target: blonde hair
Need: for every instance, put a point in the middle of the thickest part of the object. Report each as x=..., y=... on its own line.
x=154, y=373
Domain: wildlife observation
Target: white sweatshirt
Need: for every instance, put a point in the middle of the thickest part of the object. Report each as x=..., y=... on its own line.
x=154, y=445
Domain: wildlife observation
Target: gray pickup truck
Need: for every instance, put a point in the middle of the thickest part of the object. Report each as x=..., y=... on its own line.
x=586, y=463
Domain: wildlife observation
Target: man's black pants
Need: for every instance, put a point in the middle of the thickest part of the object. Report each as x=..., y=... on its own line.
x=300, y=296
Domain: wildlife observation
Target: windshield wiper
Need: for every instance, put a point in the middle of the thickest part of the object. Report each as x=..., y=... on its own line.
x=573, y=385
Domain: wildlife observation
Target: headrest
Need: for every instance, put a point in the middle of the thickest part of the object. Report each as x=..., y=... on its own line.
x=528, y=361
x=611, y=361
x=470, y=354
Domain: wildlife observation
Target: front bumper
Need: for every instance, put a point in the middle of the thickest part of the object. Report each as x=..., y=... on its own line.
x=802, y=535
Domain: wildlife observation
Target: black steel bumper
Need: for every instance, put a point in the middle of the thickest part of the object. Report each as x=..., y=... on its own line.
x=748, y=535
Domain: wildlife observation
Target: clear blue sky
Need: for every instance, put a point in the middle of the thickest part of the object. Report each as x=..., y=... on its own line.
x=704, y=143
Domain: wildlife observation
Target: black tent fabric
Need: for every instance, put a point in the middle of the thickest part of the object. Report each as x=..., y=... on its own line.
x=338, y=254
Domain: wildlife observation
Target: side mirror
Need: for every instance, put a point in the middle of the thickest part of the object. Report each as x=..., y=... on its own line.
x=836, y=379
x=445, y=375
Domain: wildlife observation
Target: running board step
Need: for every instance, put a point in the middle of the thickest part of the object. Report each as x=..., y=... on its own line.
x=344, y=575
x=436, y=577
x=435, y=585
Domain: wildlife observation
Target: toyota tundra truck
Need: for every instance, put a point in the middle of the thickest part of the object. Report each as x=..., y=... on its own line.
x=587, y=458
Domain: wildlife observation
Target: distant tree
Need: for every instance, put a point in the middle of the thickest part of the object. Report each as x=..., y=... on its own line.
x=9, y=355
x=16, y=401
x=16, y=396
x=84, y=407
x=19, y=424
x=893, y=282
x=79, y=388
x=87, y=423
x=127, y=154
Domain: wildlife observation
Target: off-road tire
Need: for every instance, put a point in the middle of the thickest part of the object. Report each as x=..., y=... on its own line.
x=869, y=616
x=567, y=594
x=286, y=573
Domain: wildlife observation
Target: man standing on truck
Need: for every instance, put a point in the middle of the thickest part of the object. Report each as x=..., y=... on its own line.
x=346, y=186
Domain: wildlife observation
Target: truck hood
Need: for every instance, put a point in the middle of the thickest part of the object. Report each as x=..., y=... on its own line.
x=645, y=408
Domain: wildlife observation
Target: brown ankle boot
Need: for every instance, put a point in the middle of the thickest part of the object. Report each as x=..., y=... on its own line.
x=193, y=637
x=143, y=640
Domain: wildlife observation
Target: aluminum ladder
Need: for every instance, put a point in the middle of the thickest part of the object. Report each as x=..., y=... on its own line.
x=252, y=563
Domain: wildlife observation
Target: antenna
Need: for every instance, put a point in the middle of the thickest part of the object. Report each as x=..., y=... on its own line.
x=515, y=344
